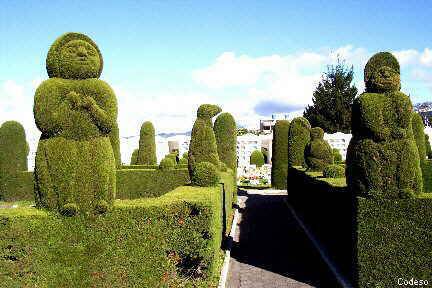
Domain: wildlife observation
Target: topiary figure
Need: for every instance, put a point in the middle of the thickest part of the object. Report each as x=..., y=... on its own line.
x=428, y=147
x=257, y=158
x=298, y=138
x=205, y=174
x=173, y=156
x=134, y=157
x=318, y=153
x=382, y=159
x=334, y=171
x=337, y=157
x=225, y=130
x=419, y=135
x=115, y=144
x=76, y=112
x=203, y=147
x=147, y=145
x=279, y=170
x=13, y=157
x=166, y=163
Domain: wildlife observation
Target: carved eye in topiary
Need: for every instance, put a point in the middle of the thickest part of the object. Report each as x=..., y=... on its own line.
x=79, y=60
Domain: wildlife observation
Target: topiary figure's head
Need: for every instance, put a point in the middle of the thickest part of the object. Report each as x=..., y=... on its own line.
x=382, y=73
x=317, y=133
x=147, y=129
x=74, y=56
x=208, y=111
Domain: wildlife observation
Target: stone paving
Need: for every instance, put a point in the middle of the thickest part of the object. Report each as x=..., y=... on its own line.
x=270, y=249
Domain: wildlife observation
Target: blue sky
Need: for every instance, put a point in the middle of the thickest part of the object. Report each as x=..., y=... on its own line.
x=164, y=58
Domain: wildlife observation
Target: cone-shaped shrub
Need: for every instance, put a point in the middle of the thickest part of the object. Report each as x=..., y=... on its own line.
x=279, y=168
x=257, y=158
x=134, y=157
x=382, y=159
x=334, y=171
x=298, y=138
x=318, y=152
x=337, y=157
x=203, y=147
x=13, y=157
x=115, y=143
x=226, y=138
x=419, y=135
x=76, y=112
x=428, y=147
x=205, y=174
x=147, y=145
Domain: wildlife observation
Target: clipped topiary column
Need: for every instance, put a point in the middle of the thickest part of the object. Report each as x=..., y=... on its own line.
x=383, y=159
x=147, y=145
x=225, y=130
x=298, y=138
x=134, y=157
x=279, y=168
x=318, y=152
x=203, y=147
x=419, y=135
x=76, y=112
x=257, y=158
x=13, y=157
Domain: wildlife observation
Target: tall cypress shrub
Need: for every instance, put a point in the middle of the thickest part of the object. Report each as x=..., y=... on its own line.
x=298, y=138
x=226, y=138
x=147, y=145
x=279, y=168
x=419, y=135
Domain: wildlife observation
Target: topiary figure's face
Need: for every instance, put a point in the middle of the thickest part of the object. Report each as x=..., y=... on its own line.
x=382, y=73
x=317, y=133
x=79, y=60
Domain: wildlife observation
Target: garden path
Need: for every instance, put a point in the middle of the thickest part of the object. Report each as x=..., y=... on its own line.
x=270, y=249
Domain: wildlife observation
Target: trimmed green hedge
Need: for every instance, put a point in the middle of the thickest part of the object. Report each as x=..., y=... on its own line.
x=147, y=145
x=427, y=176
x=334, y=171
x=298, y=139
x=115, y=143
x=22, y=187
x=257, y=158
x=145, y=183
x=225, y=130
x=279, y=168
x=170, y=241
x=205, y=174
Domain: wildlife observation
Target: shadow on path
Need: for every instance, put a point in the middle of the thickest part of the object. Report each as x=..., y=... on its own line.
x=270, y=239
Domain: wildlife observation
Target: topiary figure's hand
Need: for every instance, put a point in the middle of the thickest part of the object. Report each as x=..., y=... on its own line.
x=88, y=102
x=74, y=99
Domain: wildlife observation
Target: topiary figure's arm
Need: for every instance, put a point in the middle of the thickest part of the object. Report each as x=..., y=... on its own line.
x=403, y=114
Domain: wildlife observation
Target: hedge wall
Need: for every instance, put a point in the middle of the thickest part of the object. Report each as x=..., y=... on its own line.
x=170, y=241
x=279, y=168
x=373, y=242
x=20, y=187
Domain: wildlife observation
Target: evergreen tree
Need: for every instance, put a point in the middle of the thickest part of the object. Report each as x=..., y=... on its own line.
x=332, y=99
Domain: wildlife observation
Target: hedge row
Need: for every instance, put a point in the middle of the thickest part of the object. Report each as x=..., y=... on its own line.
x=170, y=241
x=178, y=166
x=372, y=241
x=18, y=187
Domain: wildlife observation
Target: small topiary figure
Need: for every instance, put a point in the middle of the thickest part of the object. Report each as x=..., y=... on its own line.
x=225, y=130
x=382, y=159
x=298, y=138
x=205, y=174
x=13, y=157
x=428, y=147
x=318, y=152
x=419, y=135
x=203, y=147
x=147, y=145
x=166, y=163
x=76, y=112
x=257, y=158
x=334, y=171
x=279, y=170
x=337, y=157
x=115, y=143
x=134, y=157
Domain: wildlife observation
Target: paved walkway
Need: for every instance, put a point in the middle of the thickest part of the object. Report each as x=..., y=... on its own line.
x=270, y=249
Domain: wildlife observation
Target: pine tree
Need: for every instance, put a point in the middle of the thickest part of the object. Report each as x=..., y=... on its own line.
x=332, y=99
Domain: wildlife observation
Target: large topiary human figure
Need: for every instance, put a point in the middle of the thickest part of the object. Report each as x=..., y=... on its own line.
x=76, y=112
x=115, y=143
x=298, y=138
x=147, y=145
x=279, y=168
x=13, y=157
x=382, y=159
x=419, y=135
x=203, y=147
x=225, y=130
x=318, y=152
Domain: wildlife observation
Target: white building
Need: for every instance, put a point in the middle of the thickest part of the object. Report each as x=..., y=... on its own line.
x=266, y=125
x=339, y=141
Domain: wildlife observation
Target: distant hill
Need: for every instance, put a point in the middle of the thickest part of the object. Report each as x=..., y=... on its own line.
x=425, y=110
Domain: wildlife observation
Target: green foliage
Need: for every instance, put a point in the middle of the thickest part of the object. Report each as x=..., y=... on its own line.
x=183, y=161
x=205, y=174
x=225, y=130
x=318, y=152
x=203, y=147
x=223, y=167
x=13, y=158
x=332, y=100
x=170, y=241
x=173, y=156
x=334, y=171
x=279, y=168
x=427, y=175
x=134, y=157
x=337, y=157
x=76, y=113
x=428, y=146
x=419, y=135
x=166, y=163
x=382, y=158
x=257, y=158
x=147, y=145
x=115, y=143
x=298, y=139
